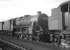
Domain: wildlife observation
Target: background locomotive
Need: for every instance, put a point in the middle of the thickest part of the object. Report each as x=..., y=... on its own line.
x=60, y=20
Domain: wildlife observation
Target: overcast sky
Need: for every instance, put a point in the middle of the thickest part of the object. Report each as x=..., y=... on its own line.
x=16, y=8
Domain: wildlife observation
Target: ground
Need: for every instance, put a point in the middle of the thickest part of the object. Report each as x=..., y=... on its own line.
x=29, y=44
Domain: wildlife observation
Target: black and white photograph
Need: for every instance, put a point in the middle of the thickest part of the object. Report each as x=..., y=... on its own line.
x=34, y=24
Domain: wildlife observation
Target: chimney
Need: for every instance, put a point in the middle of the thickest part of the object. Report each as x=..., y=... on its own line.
x=39, y=12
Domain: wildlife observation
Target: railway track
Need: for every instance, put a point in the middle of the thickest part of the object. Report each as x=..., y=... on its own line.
x=7, y=44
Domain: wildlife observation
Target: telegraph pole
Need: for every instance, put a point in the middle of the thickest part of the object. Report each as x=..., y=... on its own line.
x=2, y=25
